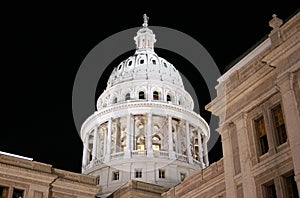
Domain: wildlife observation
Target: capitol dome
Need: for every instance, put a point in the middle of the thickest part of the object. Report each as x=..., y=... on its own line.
x=144, y=127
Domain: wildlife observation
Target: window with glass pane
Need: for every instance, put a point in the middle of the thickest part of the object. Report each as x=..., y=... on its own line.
x=169, y=98
x=127, y=96
x=155, y=95
x=115, y=100
x=291, y=186
x=262, y=135
x=116, y=175
x=279, y=125
x=161, y=174
x=182, y=176
x=18, y=193
x=269, y=190
x=138, y=173
x=141, y=95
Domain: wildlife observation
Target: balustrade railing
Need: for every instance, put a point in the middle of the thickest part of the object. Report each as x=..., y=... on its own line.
x=118, y=155
x=139, y=153
x=181, y=157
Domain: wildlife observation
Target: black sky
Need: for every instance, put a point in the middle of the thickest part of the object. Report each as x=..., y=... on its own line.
x=43, y=48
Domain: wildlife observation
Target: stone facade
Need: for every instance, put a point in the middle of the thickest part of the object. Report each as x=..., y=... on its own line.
x=258, y=104
x=206, y=183
x=30, y=179
x=137, y=189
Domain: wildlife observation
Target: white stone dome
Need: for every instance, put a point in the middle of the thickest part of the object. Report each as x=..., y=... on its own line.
x=144, y=127
x=145, y=65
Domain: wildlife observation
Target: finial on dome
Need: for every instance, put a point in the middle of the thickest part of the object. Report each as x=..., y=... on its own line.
x=145, y=24
x=145, y=38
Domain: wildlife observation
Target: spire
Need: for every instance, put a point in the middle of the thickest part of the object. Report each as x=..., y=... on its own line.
x=145, y=38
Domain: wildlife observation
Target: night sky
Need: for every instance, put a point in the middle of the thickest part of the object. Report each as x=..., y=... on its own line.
x=43, y=48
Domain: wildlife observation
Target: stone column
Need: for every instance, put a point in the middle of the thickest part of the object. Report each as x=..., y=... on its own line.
x=205, y=152
x=149, y=136
x=170, y=139
x=229, y=171
x=127, y=151
x=245, y=156
x=292, y=120
x=85, y=152
x=132, y=139
x=94, y=151
x=267, y=119
x=178, y=143
x=108, y=140
x=188, y=142
x=200, y=147
x=105, y=141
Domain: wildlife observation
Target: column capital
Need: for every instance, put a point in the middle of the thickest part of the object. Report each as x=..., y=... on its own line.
x=285, y=82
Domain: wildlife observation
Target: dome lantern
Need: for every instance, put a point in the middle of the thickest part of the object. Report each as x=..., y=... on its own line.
x=145, y=38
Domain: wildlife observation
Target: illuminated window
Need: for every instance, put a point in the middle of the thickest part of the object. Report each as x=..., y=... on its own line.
x=155, y=127
x=123, y=143
x=138, y=173
x=161, y=174
x=262, y=135
x=142, y=61
x=155, y=138
x=140, y=125
x=156, y=147
x=154, y=62
x=140, y=147
x=279, y=125
x=156, y=142
x=140, y=143
x=182, y=176
x=116, y=175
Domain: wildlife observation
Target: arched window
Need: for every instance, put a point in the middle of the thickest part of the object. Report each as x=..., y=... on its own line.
x=127, y=96
x=169, y=98
x=115, y=100
x=155, y=95
x=140, y=142
x=123, y=143
x=156, y=143
x=141, y=95
x=129, y=63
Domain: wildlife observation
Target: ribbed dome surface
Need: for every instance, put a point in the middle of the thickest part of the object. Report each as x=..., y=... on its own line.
x=145, y=65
